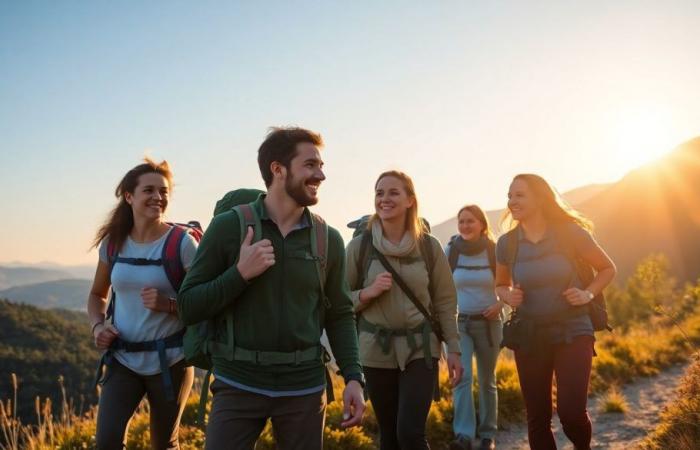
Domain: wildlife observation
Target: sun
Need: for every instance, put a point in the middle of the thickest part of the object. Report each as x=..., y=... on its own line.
x=643, y=134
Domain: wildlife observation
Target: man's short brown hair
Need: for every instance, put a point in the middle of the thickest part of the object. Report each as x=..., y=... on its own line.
x=281, y=145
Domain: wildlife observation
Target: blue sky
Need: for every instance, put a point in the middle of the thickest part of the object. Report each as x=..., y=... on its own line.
x=461, y=95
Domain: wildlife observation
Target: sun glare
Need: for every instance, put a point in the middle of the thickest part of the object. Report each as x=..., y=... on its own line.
x=643, y=135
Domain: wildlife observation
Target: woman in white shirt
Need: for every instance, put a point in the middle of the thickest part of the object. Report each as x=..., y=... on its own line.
x=143, y=259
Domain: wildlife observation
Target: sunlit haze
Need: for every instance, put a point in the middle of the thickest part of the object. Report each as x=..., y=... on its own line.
x=460, y=95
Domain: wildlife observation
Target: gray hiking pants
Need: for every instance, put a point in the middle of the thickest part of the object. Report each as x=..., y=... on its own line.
x=121, y=394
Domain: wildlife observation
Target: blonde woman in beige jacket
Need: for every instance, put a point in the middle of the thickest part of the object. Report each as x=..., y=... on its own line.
x=400, y=364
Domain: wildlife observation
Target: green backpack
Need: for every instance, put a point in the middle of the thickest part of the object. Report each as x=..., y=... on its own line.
x=200, y=341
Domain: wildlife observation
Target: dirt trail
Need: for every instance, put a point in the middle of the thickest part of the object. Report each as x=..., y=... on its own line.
x=646, y=398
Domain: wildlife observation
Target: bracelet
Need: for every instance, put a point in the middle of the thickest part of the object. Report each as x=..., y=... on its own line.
x=172, y=305
x=92, y=331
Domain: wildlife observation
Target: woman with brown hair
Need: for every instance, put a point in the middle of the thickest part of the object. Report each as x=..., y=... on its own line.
x=471, y=255
x=141, y=334
x=406, y=304
x=541, y=273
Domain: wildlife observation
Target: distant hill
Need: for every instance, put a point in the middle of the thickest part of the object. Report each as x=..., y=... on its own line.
x=20, y=276
x=86, y=271
x=445, y=230
x=66, y=294
x=654, y=209
x=39, y=346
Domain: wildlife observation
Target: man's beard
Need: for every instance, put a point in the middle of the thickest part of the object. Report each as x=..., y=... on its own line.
x=297, y=190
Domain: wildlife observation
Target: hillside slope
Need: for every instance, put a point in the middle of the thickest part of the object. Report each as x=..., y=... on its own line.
x=41, y=345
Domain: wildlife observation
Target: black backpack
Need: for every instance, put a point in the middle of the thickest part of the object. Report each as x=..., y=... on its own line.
x=453, y=256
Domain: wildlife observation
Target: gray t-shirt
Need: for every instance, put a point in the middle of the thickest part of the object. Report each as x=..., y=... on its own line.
x=474, y=282
x=135, y=322
x=544, y=272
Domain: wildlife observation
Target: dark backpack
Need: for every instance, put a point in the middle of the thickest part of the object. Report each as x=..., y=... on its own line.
x=453, y=256
x=200, y=340
x=597, y=309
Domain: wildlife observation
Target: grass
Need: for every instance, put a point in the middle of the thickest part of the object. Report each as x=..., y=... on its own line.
x=613, y=401
x=642, y=351
x=679, y=425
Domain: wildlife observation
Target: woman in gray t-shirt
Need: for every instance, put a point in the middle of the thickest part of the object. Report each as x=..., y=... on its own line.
x=141, y=334
x=538, y=273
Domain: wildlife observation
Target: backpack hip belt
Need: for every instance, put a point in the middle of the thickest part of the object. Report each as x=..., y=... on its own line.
x=384, y=336
x=265, y=358
x=159, y=345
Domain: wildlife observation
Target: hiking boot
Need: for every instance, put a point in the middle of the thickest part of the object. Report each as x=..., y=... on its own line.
x=461, y=443
x=487, y=444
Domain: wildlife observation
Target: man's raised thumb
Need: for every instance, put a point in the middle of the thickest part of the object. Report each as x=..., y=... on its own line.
x=248, y=237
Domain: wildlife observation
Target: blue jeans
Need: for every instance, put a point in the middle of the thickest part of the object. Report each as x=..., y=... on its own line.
x=474, y=340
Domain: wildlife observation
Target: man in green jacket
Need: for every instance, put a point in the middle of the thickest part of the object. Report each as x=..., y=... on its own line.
x=272, y=289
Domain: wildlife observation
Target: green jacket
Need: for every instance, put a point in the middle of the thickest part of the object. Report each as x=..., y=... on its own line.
x=278, y=311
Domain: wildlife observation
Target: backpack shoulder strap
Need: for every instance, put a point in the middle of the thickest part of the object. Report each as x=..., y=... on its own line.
x=172, y=258
x=511, y=249
x=319, y=241
x=452, y=254
x=491, y=253
x=111, y=254
x=426, y=249
x=247, y=217
x=363, y=258
x=565, y=239
x=319, y=251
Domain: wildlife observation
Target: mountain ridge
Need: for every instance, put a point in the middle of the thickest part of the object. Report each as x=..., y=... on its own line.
x=652, y=209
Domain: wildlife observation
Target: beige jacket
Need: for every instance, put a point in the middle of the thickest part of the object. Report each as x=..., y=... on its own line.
x=393, y=309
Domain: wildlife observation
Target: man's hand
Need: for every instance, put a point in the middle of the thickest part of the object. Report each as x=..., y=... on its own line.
x=256, y=258
x=104, y=335
x=454, y=368
x=353, y=404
